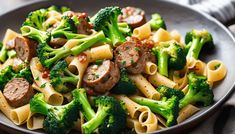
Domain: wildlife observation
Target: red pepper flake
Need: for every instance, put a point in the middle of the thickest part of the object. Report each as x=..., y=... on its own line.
x=82, y=57
x=90, y=92
x=149, y=43
x=90, y=25
x=46, y=74
x=82, y=15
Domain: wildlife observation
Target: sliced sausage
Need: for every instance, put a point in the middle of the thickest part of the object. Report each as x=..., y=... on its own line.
x=57, y=42
x=84, y=27
x=133, y=16
x=102, y=78
x=133, y=56
x=18, y=92
x=25, y=48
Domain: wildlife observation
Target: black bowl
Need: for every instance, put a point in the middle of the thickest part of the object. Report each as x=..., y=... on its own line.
x=176, y=16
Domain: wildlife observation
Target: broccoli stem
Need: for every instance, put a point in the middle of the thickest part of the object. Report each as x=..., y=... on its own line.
x=115, y=35
x=163, y=63
x=186, y=100
x=155, y=106
x=96, y=121
x=87, y=43
x=196, y=47
x=68, y=35
x=35, y=34
x=70, y=80
x=3, y=53
x=58, y=54
x=87, y=111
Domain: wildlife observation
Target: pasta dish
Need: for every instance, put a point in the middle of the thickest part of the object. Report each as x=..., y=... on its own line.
x=111, y=72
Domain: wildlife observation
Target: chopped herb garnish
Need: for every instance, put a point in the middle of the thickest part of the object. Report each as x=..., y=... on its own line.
x=137, y=49
x=123, y=62
x=37, y=78
x=98, y=62
x=43, y=85
x=217, y=66
x=132, y=61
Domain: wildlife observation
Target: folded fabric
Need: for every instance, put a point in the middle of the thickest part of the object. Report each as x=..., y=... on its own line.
x=223, y=10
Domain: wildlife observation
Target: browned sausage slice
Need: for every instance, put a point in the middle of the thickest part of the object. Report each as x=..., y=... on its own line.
x=25, y=48
x=133, y=16
x=127, y=54
x=57, y=42
x=18, y=92
x=102, y=78
x=133, y=55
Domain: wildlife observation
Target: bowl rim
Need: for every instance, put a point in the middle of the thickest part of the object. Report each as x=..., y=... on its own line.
x=184, y=124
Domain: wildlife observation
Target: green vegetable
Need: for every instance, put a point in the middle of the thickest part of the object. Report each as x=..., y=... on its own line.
x=49, y=56
x=199, y=91
x=36, y=19
x=198, y=40
x=125, y=85
x=157, y=22
x=167, y=108
x=170, y=55
x=60, y=9
x=11, y=53
x=33, y=33
x=59, y=119
x=3, y=52
x=66, y=28
x=169, y=92
x=109, y=118
x=125, y=29
x=106, y=20
x=60, y=77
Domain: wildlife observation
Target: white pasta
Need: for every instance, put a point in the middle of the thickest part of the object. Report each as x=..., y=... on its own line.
x=216, y=70
x=150, y=68
x=158, y=80
x=142, y=32
x=43, y=85
x=145, y=86
x=101, y=53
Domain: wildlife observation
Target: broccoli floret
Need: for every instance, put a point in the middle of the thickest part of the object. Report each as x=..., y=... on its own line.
x=6, y=75
x=66, y=28
x=169, y=54
x=199, y=91
x=3, y=52
x=106, y=20
x=59, y=119
x=35, y=34
x=48, y=56
x=167, y=108
x=25, y=73
x=169, y=92
x=60, y=77
x=125, y=29
x=125, y=85
x=109, y=118
x=198, y=40
x=60, y=9
x=36, y=18
x=157, y=22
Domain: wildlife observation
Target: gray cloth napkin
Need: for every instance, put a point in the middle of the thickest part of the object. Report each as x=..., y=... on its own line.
x=223, y=121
